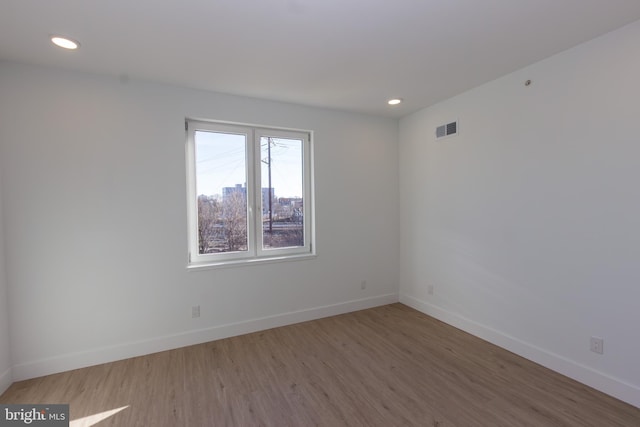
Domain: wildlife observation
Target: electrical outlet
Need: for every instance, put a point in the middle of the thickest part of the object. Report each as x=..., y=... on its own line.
x=363, y=284
x=597, y=345
x=430, y=289
x=195, y=311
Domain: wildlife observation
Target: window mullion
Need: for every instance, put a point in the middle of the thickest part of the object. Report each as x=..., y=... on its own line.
x=307, y=192
x=258, y=200
x=251, y=193
x=191, y=194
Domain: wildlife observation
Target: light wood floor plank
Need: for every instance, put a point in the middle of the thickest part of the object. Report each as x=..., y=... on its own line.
x=386, y=366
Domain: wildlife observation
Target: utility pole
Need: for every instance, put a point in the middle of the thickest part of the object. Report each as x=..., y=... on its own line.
x=267, y=161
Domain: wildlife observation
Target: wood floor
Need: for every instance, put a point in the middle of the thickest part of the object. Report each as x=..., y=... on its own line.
x=386, y=366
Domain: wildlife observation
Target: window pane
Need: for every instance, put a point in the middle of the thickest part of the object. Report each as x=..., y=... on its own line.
x=282, y=195
x=221, y=176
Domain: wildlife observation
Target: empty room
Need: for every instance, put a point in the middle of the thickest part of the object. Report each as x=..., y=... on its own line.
x=306, y=213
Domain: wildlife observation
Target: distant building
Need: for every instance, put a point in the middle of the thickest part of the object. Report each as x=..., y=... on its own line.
x=229, y=191
x=294, y=202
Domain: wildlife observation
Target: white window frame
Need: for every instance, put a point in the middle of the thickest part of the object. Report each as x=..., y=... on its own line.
x=255, y=252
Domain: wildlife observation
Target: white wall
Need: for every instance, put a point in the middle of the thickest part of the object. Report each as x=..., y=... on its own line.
x=5, y=354
x=526, y=223
x=95, y=216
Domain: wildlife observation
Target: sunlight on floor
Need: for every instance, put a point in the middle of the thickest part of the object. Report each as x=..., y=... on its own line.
x=95, y=419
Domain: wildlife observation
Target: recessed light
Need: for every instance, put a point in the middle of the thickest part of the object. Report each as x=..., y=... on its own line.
x=394, y=101
x=65, y=43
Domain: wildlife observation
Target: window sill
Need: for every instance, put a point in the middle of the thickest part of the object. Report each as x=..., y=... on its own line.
x=248, y=262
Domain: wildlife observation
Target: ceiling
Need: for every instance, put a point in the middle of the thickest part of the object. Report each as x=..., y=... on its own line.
x=342, y=54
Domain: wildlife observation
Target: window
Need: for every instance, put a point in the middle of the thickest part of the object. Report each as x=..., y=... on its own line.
x=249, y=193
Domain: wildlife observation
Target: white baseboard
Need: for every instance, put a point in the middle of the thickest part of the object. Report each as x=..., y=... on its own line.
x=97, y=356
x=581, y=373
x=6, y=379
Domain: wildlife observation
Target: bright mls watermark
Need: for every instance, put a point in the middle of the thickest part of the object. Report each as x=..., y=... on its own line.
x=34, y=415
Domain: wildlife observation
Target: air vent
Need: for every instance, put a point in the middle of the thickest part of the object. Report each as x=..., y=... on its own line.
x=449, y=129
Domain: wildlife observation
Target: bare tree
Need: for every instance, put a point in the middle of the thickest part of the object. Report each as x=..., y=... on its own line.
x=209, y=211
x=234, y=219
